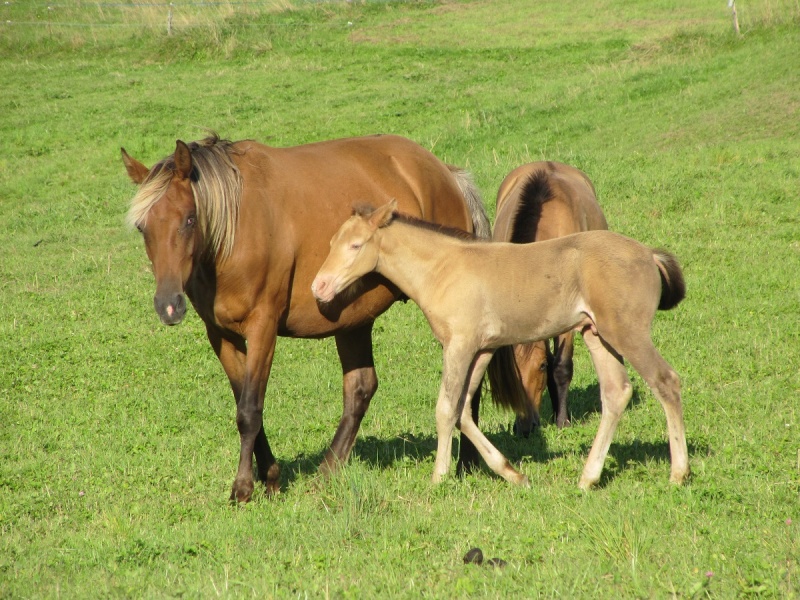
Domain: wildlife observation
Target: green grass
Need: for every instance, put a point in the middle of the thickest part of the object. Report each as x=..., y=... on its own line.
x=118, y=442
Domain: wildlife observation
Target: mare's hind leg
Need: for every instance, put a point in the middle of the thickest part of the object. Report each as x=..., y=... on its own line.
x=666, y=386
x=559, y=375
x=615, y=393
x=359, y=384
x=469, y=428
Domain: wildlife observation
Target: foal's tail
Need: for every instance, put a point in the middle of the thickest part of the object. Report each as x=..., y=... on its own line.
x=505, y=382
x=472, y=196
x=673, y=287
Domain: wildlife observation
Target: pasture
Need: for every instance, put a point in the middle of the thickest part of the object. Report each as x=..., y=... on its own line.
x=118, y=440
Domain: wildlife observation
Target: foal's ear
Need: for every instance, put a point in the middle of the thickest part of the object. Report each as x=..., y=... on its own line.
x=136, y=170
x=383, y=215
x=183, y=160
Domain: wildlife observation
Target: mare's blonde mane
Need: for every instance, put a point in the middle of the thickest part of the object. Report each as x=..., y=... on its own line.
x=217, y=188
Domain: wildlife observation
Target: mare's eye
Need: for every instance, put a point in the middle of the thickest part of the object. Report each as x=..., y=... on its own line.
x=191, y=221
x=543, y=367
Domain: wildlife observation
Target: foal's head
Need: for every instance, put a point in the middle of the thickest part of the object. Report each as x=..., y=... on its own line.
x=354, y=251
x=164, y=211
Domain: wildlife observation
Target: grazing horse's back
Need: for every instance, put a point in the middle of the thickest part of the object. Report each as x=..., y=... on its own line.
x=540, y=201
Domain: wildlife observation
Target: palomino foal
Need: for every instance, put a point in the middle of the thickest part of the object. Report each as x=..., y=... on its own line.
x=479, y=296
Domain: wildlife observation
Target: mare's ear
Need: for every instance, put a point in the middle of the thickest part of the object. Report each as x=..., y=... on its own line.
x=136, y=170
x=383, y=215
x=183, y=160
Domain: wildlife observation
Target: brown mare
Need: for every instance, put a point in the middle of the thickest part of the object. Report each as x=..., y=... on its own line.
x=541, y=201
x=480, y=296
x=241, y=229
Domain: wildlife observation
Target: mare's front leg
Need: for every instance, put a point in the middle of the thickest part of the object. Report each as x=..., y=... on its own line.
x=359, y=383
x=559, y=375
x=232, y=354
x=261, y=334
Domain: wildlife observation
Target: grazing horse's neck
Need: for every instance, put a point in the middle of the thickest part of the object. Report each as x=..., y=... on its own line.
x=412, y=257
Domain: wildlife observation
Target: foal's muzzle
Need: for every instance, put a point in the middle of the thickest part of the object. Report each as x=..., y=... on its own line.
x=171, y=308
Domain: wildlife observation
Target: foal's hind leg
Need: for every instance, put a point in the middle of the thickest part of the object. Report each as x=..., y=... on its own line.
x=615, y=393
x=666, y=387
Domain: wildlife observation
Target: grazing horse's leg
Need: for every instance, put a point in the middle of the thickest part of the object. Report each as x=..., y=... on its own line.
x=469, y=428
x=261, y=340
x=615, y=393
x=666, y=386
x=358, y=386
x=559, y=375
x=232, y=354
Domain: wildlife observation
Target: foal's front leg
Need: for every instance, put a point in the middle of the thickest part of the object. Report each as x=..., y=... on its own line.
x=457, y=361
x=493, y=457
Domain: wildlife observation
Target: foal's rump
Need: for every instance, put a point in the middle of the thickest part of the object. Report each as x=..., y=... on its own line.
x=624, y=280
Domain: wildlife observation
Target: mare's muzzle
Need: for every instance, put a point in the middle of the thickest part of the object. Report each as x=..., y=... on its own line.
x=171, y=308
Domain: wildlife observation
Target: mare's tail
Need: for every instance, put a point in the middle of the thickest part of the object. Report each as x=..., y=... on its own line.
x=472, y=196
x=673, y=287
x=505, y=382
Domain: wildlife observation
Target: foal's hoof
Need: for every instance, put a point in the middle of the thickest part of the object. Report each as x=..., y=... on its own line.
x=242, y=491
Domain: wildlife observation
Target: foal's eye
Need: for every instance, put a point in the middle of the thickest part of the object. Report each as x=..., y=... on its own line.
x=191, y=221
x=543, y=367
x=355, y=246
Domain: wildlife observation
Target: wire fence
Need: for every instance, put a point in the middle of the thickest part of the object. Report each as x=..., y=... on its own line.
x=163, y=14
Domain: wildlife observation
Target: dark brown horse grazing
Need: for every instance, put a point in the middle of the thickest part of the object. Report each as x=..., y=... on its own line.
x=541, y=201
x=241, y=229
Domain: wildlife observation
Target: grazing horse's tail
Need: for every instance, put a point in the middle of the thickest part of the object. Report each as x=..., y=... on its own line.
x=673, y=287
x=505, y=382
x=472, y=196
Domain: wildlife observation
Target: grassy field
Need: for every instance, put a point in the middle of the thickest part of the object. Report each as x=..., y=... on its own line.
x=118, y=441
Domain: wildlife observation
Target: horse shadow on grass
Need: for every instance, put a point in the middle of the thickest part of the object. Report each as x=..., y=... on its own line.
x=420, y=449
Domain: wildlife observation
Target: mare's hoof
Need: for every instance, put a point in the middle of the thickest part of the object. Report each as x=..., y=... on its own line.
x=272, y=480
x=242, y=491
x=496, y=562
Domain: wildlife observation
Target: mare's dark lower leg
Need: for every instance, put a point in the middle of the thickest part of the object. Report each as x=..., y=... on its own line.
x=559, y=376
x=359, y=384
x=267, y=470
x=468, y=454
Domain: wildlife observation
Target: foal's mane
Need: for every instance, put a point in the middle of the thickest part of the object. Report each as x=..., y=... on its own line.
x=454, y=232
x=534, y=194
x=216, y=185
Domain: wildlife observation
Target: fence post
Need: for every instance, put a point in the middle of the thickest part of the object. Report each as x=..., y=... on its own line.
x=169, y=19
x=732, y=6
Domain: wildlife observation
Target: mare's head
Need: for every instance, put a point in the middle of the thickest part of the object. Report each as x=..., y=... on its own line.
x=354, y=251
x=177, y=211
